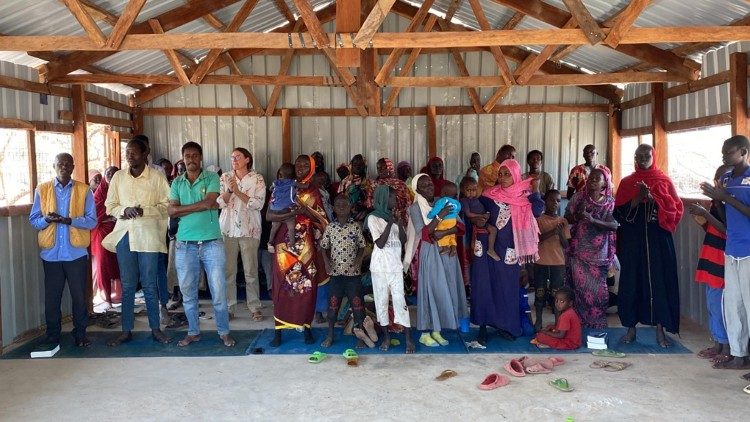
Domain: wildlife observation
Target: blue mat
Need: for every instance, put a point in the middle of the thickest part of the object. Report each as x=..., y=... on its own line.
x=645, y=343
x=142, y=346
x=293, y=344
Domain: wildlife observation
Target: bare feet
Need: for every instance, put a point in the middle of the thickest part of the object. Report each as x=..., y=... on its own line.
x=360, y=344
x=159, y=336
x=276, y=342
x=492, y=254
x=409, y=342
x=227, y=340
x=746, y=376
x=735, y=363
x=360, y=334
x=386, y=344
x=188, y=339
x=125, y=337
x=309, y=339
x=629, y=337
x=369, y=327
x=328, y=341
x=83, y=342
x=661, y=339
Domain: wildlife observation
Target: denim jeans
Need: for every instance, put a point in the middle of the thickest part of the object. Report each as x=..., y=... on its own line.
x=189, y=257
x=161, y=280
x=134, y=267
x=265, y=259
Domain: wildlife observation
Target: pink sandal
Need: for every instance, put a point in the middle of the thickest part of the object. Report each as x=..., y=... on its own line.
x=515, y=368
x=556, y=361
x=537, y=368
x=493, y=381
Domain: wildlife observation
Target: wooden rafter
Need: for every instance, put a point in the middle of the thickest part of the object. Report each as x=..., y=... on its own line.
x=174, y=60
x=205, y=66
x=215, y=22
x=372, y=23
x=535, y=61
x=97, y=12
x=124, y=23
x=586, y=22
x=551, y=15
x=87, y=22
x=476, y=102
x=169, y=20
x=247, y=89
x=286, y=63
x=349, y=20
x=625, y=21
x=284, y=10
x=320, y=39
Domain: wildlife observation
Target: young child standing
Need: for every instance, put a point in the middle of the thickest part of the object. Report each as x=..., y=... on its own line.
x=283, y=198
x=567, y=333
x=549, y=269
x=386, y=268
x=472, y=207
x=345, y=247
x=448, y=193
x=710, y=272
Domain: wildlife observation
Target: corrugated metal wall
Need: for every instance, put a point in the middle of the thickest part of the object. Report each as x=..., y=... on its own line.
x=688, y=239
x=706, y=102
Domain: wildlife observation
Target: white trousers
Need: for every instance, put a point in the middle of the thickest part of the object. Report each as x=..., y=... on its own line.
x=736, y=303
x=382, y=285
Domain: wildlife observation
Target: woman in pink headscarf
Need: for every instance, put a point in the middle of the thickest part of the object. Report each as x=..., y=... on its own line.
x=513, y=205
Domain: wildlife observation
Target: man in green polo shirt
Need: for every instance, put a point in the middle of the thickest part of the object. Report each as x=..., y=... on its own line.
x=199, y=241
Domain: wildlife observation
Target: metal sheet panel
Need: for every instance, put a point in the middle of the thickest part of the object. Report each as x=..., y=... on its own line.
x=15, y=104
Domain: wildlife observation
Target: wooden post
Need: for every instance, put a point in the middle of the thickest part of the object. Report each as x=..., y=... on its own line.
x=658, y=129
x=31, y=144
x=431, y=132
x=80, y=153
x=137, y=117
x=348, y=20
x=286, y=136
x=614, y=153
x=115, y=154
x=738, y=92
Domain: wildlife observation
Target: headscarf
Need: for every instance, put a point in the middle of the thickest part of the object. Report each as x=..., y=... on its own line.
x=670, y=207
x=400, y=165
x=412, y=238
x=309, y=176
x=380, y=204
x=488, y=176
x=389, y=167
x=403, y=198
x=438, y=181
x=525, y=228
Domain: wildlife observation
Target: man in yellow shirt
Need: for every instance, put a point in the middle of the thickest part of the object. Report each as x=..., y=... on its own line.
x=138, y=197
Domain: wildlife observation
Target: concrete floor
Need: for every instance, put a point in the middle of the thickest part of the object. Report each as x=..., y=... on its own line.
x=663, y=387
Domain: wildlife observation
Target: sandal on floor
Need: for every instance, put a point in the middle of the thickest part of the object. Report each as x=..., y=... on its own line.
x=537, y=368
x=227, y=340
x=188, y=339
x=257, y=316
x=556, y=361
x=448, y=373
x=608, y=353
x=708, y=353
x=617, y=366
x=515, y=368
x=561, y=384
x=494, y=381
x=721, y=358
x=352, y=358
x=746, y=389
x=316, y=357
x=599, y=364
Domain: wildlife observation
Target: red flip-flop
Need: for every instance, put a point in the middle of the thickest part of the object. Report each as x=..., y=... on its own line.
x=493, y=381
x=515, y=368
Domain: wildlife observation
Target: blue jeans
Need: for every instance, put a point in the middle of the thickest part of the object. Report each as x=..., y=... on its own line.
x=161, y=280
x=265, y=258
x=189, y=257
x=716, y=315
x=134, y=267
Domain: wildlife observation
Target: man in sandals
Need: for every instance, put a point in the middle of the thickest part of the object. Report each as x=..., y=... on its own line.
x=193, y=198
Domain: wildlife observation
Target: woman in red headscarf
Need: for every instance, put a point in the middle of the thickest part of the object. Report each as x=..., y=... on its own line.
x=513, y=204
x=648, y=210
x=299, y=269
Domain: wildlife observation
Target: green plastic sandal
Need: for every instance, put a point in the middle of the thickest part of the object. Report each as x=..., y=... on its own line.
x=561, y=384
x=608, y=353
x=350, y=354
x=316, y=357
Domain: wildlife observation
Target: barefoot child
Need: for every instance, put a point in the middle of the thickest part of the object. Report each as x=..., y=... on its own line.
x=472, y=207
x=386, y=268
x=283, y=195
x=345, y=247
x=549, y=269
x=448, y=243
x=710, y=272
x=567, y=333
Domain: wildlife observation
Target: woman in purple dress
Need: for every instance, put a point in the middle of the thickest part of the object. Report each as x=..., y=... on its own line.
x=513, y=205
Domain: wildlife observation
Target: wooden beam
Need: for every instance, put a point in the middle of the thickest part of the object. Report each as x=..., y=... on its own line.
x=348, y=20
x=87, y=22
x=700, y=122
x=7, y=123
x=321, y=40
x=239, y=18
x=738, y=93
x=247, y=89
x=79, y=150
x=551, y=15
x=614, y=147
x=284, y=10
x=372, y=23
x=24, y=85
x=476, y=102
x=92, y=118
x=588, y=24
x=369, y=65
x=170, y=19
x=52, y=127
x=403, y=111
x=625, y=21
x=137, y=118
x=658, y=127
x=535, y=61
x=116, y=78
x=431, y=132
x=626, y=133
x=286, y=136
x=682, y=89
x=538, y=80
x=33, y=176
x=128, y=16
x=215, y=22
x=286, y=62
x=98, y=13
x=514, y=21
x=106, y=102
x=170, y=54
x=390, y=63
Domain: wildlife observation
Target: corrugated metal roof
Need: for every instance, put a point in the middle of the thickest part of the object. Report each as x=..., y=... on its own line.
x=23, y=17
